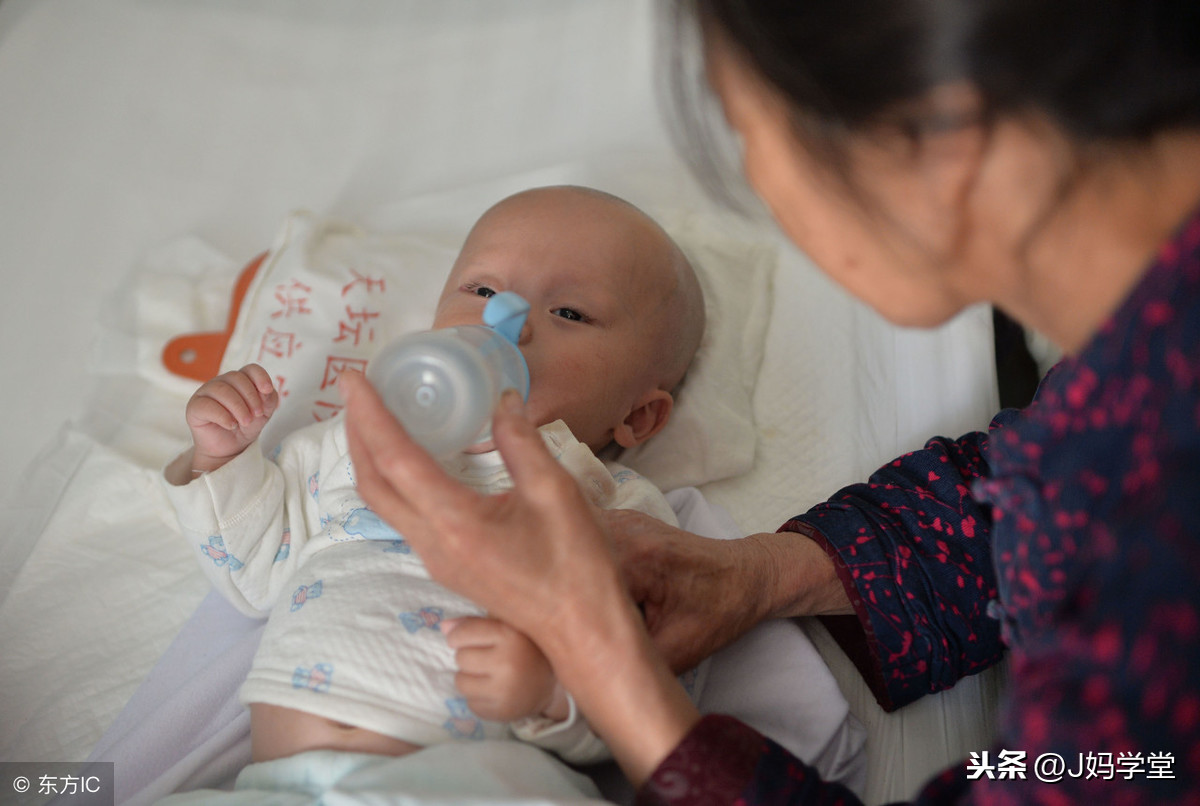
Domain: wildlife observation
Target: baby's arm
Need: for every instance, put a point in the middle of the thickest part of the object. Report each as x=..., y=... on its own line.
x=246, y=515
x=225, y=416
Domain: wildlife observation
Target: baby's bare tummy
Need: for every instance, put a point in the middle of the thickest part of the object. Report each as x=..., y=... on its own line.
x=278, y=732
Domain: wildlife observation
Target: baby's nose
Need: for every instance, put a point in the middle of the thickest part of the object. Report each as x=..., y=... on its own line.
x=526, y=333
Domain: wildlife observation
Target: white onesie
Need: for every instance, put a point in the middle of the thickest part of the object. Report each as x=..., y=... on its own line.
x=353, y=631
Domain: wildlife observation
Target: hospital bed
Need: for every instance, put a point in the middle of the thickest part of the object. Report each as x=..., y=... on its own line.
x=150, y=150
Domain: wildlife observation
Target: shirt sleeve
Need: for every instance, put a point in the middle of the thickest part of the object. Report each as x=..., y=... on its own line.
x=721, y=760
x=250, y=520
x=571, y=739
x=912, y=546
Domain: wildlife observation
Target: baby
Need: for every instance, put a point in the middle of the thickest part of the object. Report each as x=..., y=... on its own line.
x=359, y=652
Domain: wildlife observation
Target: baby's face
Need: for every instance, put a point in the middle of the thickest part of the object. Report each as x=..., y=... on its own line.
x=589, y=337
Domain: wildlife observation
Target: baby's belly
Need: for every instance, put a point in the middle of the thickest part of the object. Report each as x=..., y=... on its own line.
x=279, y=732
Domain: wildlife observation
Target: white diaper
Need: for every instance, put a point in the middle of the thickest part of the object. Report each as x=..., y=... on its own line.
x=478, y=772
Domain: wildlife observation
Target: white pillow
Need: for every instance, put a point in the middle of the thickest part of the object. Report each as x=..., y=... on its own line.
x=329, y=295
x=712, y=434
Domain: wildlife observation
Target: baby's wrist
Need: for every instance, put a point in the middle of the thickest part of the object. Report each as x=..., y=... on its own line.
x=203, y=462
x=190, y=465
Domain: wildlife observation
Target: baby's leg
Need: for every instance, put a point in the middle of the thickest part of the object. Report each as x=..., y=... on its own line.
x=277, y=732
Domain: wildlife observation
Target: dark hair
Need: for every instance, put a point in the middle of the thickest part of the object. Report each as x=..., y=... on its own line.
x=1103, y=70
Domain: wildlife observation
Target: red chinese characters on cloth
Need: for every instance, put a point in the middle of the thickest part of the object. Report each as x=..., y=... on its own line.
x=306, y=316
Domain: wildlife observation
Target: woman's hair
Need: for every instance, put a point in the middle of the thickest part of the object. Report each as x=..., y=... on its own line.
x=1102, y=70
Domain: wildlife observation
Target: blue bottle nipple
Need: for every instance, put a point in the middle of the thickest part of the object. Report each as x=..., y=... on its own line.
x=506, y=313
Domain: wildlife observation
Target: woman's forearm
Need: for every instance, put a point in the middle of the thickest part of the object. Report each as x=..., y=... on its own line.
x=630, y=697
x=798, y=578
x=604, y=656
x=621, y=683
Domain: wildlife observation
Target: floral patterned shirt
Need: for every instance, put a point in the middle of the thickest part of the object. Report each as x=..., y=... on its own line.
x=1068, y=533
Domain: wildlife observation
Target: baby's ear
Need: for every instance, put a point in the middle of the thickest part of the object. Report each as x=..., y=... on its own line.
x=646, y=419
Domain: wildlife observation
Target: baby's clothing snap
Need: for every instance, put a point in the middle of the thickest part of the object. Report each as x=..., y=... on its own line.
x=354, y=620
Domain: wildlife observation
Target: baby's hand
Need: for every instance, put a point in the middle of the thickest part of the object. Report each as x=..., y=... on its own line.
x=228, y=413
x=501, y=673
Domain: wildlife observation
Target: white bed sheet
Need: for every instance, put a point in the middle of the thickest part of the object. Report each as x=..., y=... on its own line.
x=129, y=124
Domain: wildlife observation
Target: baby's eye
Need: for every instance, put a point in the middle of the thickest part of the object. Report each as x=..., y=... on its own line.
x=479, y=290
x=569, y=314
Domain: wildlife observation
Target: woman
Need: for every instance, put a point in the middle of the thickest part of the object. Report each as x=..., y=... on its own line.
x=1044, y=156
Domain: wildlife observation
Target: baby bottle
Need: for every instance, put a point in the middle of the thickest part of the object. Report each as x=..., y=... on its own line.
x=443, y=385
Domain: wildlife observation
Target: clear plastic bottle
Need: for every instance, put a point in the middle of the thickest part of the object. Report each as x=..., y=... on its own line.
x=443, y=385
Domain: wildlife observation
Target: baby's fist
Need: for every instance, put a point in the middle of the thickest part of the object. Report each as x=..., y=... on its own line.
x=228, y=413
x=501, y=673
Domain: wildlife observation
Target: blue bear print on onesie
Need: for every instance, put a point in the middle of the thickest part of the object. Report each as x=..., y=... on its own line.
x=304, y=593
x=364, y=523
x=215, y=551
x=429, y=618
x=625, y=476
x=462, y=724
x=319, y=678
x=285, y=546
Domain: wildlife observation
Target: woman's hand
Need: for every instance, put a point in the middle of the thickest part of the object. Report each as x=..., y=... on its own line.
x=699, y=594
x=520, y=555
x=535, y=557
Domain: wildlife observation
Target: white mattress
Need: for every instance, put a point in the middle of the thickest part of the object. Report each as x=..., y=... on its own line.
x=129, y=125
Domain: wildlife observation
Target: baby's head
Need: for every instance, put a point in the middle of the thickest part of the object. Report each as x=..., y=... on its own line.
x=616, y=311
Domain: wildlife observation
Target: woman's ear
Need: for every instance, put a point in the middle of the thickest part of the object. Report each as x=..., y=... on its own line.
x=646, y=419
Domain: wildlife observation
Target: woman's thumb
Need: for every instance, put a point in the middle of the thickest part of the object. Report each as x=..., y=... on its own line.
x=518, y=440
